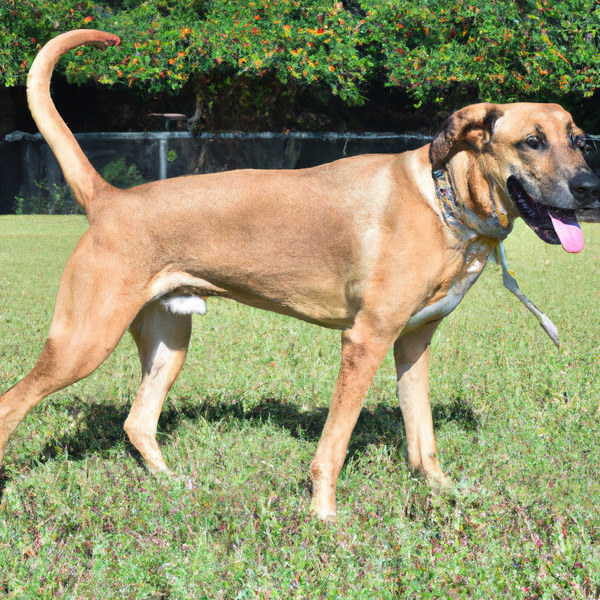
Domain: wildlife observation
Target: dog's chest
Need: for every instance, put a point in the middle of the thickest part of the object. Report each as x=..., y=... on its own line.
x=475, y=259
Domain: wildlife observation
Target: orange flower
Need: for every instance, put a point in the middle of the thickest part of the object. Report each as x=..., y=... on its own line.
x=88, y=19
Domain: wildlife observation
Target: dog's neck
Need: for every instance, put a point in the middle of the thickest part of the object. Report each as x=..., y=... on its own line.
x=472, y=212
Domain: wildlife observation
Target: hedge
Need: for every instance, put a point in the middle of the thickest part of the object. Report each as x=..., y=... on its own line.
x=438, y=51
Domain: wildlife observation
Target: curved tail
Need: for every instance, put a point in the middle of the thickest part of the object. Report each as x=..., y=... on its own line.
x=82, y=178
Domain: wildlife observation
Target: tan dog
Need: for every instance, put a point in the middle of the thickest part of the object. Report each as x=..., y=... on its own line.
x=381, y=247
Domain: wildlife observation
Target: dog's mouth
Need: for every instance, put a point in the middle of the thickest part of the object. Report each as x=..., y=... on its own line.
x=551, y=224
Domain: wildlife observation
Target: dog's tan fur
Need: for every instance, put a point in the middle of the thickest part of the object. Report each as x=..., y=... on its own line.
x=361, y=244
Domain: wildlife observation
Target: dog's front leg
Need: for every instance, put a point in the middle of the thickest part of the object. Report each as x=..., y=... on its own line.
x=411, y=353
x=363, y=349
x=162, y=340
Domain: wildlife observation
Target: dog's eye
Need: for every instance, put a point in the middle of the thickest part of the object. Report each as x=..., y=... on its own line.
x=533, y=141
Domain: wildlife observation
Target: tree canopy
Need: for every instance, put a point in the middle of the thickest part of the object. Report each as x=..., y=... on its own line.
x=436, y=50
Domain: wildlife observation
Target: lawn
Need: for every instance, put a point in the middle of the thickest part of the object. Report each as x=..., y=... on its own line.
x=517, y=425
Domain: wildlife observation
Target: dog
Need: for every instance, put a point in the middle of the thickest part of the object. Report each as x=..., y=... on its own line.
x=381, y=247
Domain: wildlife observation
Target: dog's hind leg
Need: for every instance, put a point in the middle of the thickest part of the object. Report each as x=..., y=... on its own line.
x=362, y=353
x=93, y=310
x=411, y=353
x=162, y=339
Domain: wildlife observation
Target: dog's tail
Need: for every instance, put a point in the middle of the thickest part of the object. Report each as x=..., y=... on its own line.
x=83, y=179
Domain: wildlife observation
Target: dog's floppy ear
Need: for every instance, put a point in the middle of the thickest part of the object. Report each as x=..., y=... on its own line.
x=470, y=127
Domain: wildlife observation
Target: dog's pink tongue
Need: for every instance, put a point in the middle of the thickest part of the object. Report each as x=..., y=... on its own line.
x=569, y=232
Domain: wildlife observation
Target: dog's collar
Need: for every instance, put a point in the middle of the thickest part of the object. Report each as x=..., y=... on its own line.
x=444, y=190
x=461, y=218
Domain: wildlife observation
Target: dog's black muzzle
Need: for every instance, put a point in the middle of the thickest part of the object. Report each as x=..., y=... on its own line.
x=585, y=187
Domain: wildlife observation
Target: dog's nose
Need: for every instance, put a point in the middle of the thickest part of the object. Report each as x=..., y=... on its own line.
x=585, y=188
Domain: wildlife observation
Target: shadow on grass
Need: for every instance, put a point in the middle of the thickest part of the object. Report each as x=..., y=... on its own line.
x=100, y=425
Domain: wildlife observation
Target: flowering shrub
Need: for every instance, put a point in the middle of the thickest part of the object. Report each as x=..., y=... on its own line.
x=493, y=50
x=437, y=50
x=309, y=41
x=165, y=43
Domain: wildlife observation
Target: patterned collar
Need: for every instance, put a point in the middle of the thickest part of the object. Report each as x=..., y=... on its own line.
x=444, y=190
x=461, y=219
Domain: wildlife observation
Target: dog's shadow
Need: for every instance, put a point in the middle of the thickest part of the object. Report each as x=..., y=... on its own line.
x=99, y=426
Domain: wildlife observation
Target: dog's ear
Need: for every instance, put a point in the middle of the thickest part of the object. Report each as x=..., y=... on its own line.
x=470, y=127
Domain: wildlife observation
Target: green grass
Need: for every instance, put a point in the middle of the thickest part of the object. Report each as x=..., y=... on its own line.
x=517, y=425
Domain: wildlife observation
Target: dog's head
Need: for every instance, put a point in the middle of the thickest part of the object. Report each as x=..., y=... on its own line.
x=534, y=155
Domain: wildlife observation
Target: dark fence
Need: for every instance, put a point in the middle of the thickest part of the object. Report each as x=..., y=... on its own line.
x=26, y=160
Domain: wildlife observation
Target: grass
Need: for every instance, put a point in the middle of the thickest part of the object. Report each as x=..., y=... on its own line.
x=517, y=425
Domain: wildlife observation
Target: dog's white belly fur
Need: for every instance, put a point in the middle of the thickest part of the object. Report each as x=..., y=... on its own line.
x=185, y=305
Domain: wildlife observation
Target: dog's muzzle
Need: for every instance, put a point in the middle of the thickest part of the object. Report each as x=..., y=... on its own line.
x=552, y=224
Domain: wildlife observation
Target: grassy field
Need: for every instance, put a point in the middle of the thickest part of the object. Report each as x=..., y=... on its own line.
x=517, y=425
